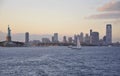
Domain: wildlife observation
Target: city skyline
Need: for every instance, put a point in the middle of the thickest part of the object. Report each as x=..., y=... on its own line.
x=25, y=36
x=91, y=39
x=66, y=17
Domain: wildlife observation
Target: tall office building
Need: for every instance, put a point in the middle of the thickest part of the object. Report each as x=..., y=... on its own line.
x=70, y=40
x=104, y=40
x=27, y=37
x=108, y=34
x=52, y=38
x=95, y=38
x=75, y=39
x=56, y=37
x=90, y=32
x=64, y=39
x=81, y=37
x=87, y=39
x=90, y=36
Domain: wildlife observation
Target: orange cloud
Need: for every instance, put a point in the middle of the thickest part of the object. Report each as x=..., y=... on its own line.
x=112, y=10
x=113, y=15
x=111, y=6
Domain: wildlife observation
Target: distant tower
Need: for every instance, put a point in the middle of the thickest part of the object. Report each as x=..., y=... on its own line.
x=81, y=37
x=95, y=38
x=75, y=39
x=64, y=39
x=53, y=39
x=90, y=36
x=108, y=34
x=90, y=32
x=104, y=40
x=27, y=37
x=8, y=38
x=87, y=39
x=56, y=37
x=70, y=40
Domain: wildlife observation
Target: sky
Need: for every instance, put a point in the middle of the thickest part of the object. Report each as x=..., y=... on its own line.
x=66, y=17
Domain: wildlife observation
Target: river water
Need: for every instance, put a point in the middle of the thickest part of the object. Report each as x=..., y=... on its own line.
x=59, y=61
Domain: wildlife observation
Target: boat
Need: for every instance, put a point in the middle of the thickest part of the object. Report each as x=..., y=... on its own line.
x=78, y=47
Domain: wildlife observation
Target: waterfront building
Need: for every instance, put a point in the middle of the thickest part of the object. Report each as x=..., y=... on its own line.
x=55, y=38
x=64, y=39
x=90, y=36
x=75, y=39
x=90, y=32
x=108, y=34
x=104, y=40
x=95, y=38
x=101, y=42
x=81, y=37
x=34, y=43
x=27, y=37
x=70, y=40
x=87, y=39
x=45, y=40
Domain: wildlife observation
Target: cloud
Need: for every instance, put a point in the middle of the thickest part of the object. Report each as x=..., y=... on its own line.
x=111, y=6
x=112, y=10
x=112, y=15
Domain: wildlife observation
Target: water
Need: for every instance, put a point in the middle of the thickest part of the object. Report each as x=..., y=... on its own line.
x=60, y=61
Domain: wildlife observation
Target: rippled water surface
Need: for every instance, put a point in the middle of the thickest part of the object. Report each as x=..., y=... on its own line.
x=60, y=61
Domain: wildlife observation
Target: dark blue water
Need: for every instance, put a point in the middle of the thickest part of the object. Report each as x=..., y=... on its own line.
x=60, y=61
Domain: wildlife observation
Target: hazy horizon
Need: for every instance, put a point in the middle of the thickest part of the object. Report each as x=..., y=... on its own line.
x=66, y=17
x=21, y=37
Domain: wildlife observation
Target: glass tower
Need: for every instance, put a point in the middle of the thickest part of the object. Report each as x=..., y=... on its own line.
x=108, y=34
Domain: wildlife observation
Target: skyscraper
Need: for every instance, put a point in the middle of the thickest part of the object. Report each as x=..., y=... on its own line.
x=95, y=38
x=70, y=40
x=90, y=32
x=56, y=37
x=90, y=36
x=53, y=39
x=108, y=34
x=104, y=40
x=64, y=39
x=26, y=37
x=87, y=39
x=75, y=39
x=81, y=37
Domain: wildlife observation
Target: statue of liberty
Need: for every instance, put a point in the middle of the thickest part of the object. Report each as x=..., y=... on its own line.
x=8, y=38
x=9, y=31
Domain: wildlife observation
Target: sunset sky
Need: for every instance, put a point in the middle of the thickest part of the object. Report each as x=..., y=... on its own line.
x=66, y=17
